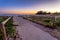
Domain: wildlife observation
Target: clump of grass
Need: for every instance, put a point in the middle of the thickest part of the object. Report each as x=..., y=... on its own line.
x=9, y=28
x=58, y=22
x=1, y=19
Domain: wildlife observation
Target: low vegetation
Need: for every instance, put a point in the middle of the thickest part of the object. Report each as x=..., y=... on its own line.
x=9, y=28
x=47, y=22
x=2, y=18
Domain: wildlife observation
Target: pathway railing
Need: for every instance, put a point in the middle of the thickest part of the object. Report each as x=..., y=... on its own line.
x=2, y=27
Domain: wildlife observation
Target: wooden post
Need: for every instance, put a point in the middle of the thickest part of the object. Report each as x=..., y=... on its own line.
x=2, y=27
x=54, y=20
x=3, y=31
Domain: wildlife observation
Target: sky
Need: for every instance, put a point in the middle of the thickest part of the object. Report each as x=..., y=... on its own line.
x=29, y=6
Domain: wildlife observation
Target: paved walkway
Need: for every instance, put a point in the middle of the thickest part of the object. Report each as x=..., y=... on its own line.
x=28, y=31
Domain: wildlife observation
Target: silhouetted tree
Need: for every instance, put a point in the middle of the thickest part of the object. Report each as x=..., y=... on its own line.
x=49, y=13
x=40, y=12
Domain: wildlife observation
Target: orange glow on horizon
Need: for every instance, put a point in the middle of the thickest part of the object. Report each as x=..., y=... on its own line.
x=19, y=12
x=28, y=11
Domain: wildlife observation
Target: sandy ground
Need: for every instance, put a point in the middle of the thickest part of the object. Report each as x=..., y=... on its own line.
x=28, y=31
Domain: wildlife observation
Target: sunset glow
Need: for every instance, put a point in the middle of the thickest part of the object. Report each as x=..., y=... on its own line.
x=29, y=6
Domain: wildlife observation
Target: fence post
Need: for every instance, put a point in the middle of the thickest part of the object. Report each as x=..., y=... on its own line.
x=3, y=31
x=54, y=22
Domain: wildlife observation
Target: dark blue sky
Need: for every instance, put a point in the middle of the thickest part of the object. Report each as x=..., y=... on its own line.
x=27, y=5
x=22, y=3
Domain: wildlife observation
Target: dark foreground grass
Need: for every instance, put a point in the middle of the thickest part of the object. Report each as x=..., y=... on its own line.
x=9, y=28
